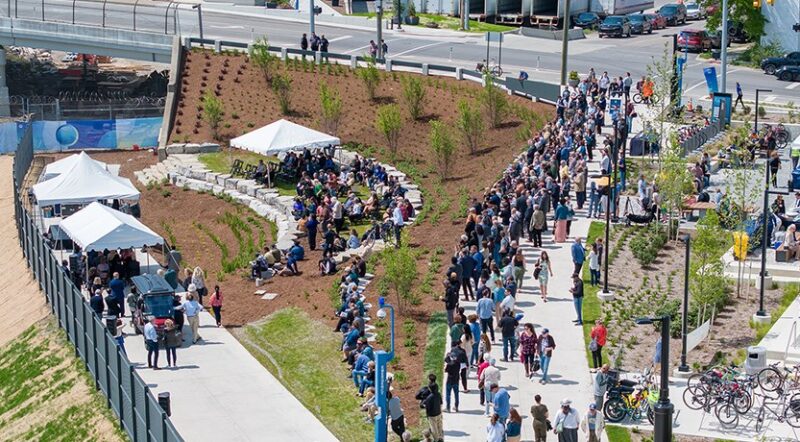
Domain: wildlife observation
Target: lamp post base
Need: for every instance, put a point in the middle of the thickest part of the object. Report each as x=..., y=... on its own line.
x=767, y=282
x=762, y=318
x=605, y=297
x=682, y=372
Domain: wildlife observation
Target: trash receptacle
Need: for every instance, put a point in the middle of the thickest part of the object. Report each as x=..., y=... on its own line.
x=756, y=359
x=111, y=324
x=638, y=145
x=164, y=402
x=796, y=179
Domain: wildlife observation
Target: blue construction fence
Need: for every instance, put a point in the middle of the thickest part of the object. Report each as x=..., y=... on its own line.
x=59, y=136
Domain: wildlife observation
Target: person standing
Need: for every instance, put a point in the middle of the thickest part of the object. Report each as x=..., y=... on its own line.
x=311, y=228
x=527, y=342
x=433, y=411
x=488, y=377
x=593, y=424
x=501, y=401
x=537, y=225
x=601, y=380
x=117, y=287
x=514, y=426
x=539, y=414
x=561, y=216
x=451, y=297
x=577, y=297
x=119, y=337
x=495, y=430
x=192, y=310
x=598, y=335
x=594, y=266
x=452, y=369
x=475, y=333
x=567, y=422
x=323, y=47
x=508, y=328
x=216, y=305
x=627, y=82
x=304, y=45
x=151, y=343
x=546, y=346
x=199, y=281
x=485, y=310
x=545, y=271
x=173, y=338
x=578, y=255
x=397, y=419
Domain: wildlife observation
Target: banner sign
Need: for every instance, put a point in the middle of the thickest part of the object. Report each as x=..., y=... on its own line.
x=83, y=134
x=711, y=79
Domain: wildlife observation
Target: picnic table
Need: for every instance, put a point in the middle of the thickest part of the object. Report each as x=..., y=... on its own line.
x=691, y=205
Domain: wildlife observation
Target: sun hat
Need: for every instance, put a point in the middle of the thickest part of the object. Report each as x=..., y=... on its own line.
x=566, y=402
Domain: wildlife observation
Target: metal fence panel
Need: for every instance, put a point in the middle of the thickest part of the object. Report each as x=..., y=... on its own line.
x=140, y=409
x=113, y=377
x=408, y=64
x=156, y=418
x=102, y=355
x=127, y=396
x=442, y=68
x=172, y=433
x=90, y=348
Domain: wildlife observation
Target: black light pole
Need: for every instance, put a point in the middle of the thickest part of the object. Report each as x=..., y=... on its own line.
x=662, y=431
x=763, y=273
x=684, y=368
x=608, y=222
x=621, y=127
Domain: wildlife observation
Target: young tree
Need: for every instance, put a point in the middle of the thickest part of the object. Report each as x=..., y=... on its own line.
x=707, y=281
x=674, y=181
x=371, y=78
x=331, y=108
x=282, y=86
x=740, y=11
x=389, y=123
x=494, y=102
x=662, y=74
x=400, y=266
x=262, y=58
x=414, y=95
x=212, y=113
x=443, y=146
x=470, y=123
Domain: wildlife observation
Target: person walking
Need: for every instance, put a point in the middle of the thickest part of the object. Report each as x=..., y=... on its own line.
x=475, y=335
x=304, y=45
x=577, y=297
x=119, y=337
x=451, y=297
x=495, y=430
x=151, y=343
x=514, y=426
x=216, y=305
x=545, y=271
x=598, y=335
x=601, y=379
x=578, y=255
x=433, y=411
x=488, y=377
x=739, y=96
x=173, y=338
x=539, y=414
x=593, y=423
x=199, y=281
x=546, y=346
x=192, y=310
x=527, y=343
x=567, y=422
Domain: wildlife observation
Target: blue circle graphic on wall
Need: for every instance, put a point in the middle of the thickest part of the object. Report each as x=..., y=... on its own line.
x=67, y=135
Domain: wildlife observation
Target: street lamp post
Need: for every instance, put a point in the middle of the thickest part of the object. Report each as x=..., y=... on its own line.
x=662, y=431
x=311, y=17
x=565, y=43
x=379, y=16
x=199, y=8
x=684, y=368
x=382, y=358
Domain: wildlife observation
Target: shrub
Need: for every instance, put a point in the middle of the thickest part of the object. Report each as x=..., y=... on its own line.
x=494, y=102
x=282, y=86
x=331, y=108
x=371, y=78
x=414, y=96
x=470, y=124
x=389, y=122
x=261, y=57
x=212, y=113
x=443, y=146
x=762, y=112
x=400, y=266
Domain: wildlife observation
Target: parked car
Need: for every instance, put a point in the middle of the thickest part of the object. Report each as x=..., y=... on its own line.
x=695, y=40
x=155, y=302
x=615, y=26
x=788, y=73
x=640, y=24
x=712, y=9
x=658, y=21
x=771, y=64
x=694, y=12
x=586, y=20
x=675, y=14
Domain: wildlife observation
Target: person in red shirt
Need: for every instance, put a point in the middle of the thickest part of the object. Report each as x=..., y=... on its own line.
x=598, y=335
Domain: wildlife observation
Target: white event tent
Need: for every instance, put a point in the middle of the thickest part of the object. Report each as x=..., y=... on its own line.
x=98, y=227
x=63, y=165
x=283, y=136
x=86, y=182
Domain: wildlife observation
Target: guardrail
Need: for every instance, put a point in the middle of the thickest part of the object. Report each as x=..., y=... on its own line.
x=537, y=90
x=127, y=395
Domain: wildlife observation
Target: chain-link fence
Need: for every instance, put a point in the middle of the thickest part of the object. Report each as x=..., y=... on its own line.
x=126, y=393
x=73, y=107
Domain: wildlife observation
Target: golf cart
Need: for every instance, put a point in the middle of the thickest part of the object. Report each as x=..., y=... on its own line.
x=155, y=302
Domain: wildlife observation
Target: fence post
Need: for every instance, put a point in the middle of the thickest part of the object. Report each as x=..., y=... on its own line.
x=217, y=46
x=317, y=57
x=425, y=68
x=120, y=390
x=131, y=380
x=108, y=375
x=388, y=65
x=284, y=54
x=353, y=61
x=459, y=73
x=94, y=339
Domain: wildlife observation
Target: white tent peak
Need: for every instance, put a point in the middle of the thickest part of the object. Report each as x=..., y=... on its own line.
x=283, y=136
x=65, y=164
x=98, y=227
x=87, y=181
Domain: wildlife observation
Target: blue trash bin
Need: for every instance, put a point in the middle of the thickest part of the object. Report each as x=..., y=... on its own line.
x=795, y=179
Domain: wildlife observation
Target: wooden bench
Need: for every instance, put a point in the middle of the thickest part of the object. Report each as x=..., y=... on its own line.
x=236, y=167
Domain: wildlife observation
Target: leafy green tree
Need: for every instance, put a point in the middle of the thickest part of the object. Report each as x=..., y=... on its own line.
x=740, y=11
x=707, y=282
x=493, y=99
x=282, y=86
x=371, y=78
x=443, y=146
x=674, y=181
x=389, y=123
x=662, y=75
x=414, y=95
x=400, y=272
x=470, y=124
x=331, y=108
x=263, y=59
x=212, y=113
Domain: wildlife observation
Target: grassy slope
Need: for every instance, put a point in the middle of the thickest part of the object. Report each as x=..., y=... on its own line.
x=292, y=339
x=591, y=303
x=47, y=392
x=452, y=23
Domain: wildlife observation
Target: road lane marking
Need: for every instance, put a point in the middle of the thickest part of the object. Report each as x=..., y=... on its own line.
x=770, y=98
x=343, y=37
x=792, y=86
x=420, y=48
x=226, y=27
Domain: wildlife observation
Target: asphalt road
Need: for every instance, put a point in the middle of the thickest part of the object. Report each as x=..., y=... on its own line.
x=540, y=58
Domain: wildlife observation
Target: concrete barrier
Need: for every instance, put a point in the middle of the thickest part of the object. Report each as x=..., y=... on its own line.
x=573, y=34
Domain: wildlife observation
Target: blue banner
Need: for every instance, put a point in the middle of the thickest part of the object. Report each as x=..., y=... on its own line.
x=83, y=134
x=614, y=107
x=711, y=79
x=681, y=65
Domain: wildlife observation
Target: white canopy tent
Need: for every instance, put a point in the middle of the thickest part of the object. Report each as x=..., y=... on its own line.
x=63, y=165
x=98, y=227
x=283, y=136
x=86, y=182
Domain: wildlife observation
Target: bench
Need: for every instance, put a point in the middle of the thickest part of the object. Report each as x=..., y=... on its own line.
x=236, y=167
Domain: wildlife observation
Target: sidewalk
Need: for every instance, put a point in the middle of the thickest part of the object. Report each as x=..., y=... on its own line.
x=221, y=392
x=569, y=368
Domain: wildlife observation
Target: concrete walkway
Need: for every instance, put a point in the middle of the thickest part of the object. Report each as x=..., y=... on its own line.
x=221, y=392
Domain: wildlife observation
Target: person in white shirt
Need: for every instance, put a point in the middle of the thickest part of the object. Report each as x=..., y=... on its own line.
x=495, y=430
x=397, y=219
x=566, y=422
x=151, y=343
x=338, y=214
x=490, y=375
x=593, y=424
x=192, y=310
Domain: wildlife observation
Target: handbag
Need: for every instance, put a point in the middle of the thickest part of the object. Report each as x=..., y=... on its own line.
x=549, y=424
x=536, y=364
x=593, y=345
x=537, y=271
x=560, y=427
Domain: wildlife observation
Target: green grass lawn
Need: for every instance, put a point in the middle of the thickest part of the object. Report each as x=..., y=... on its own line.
x=618, y=434
x=304, y=355
x=452, y=23
x=591, y=303
x=220, y=162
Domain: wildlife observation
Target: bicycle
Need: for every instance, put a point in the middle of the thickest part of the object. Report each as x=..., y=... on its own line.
x=791, y=411
x=771, y=379
x=638, y=98
x=634, y=401
x=494, y=69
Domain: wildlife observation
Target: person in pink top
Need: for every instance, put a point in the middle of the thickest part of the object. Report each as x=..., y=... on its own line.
x=599, y=334
x=481, y=367
x=216, y=305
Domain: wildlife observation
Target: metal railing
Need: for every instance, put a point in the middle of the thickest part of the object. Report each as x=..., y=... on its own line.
x=127, y=395
x=702, y=136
